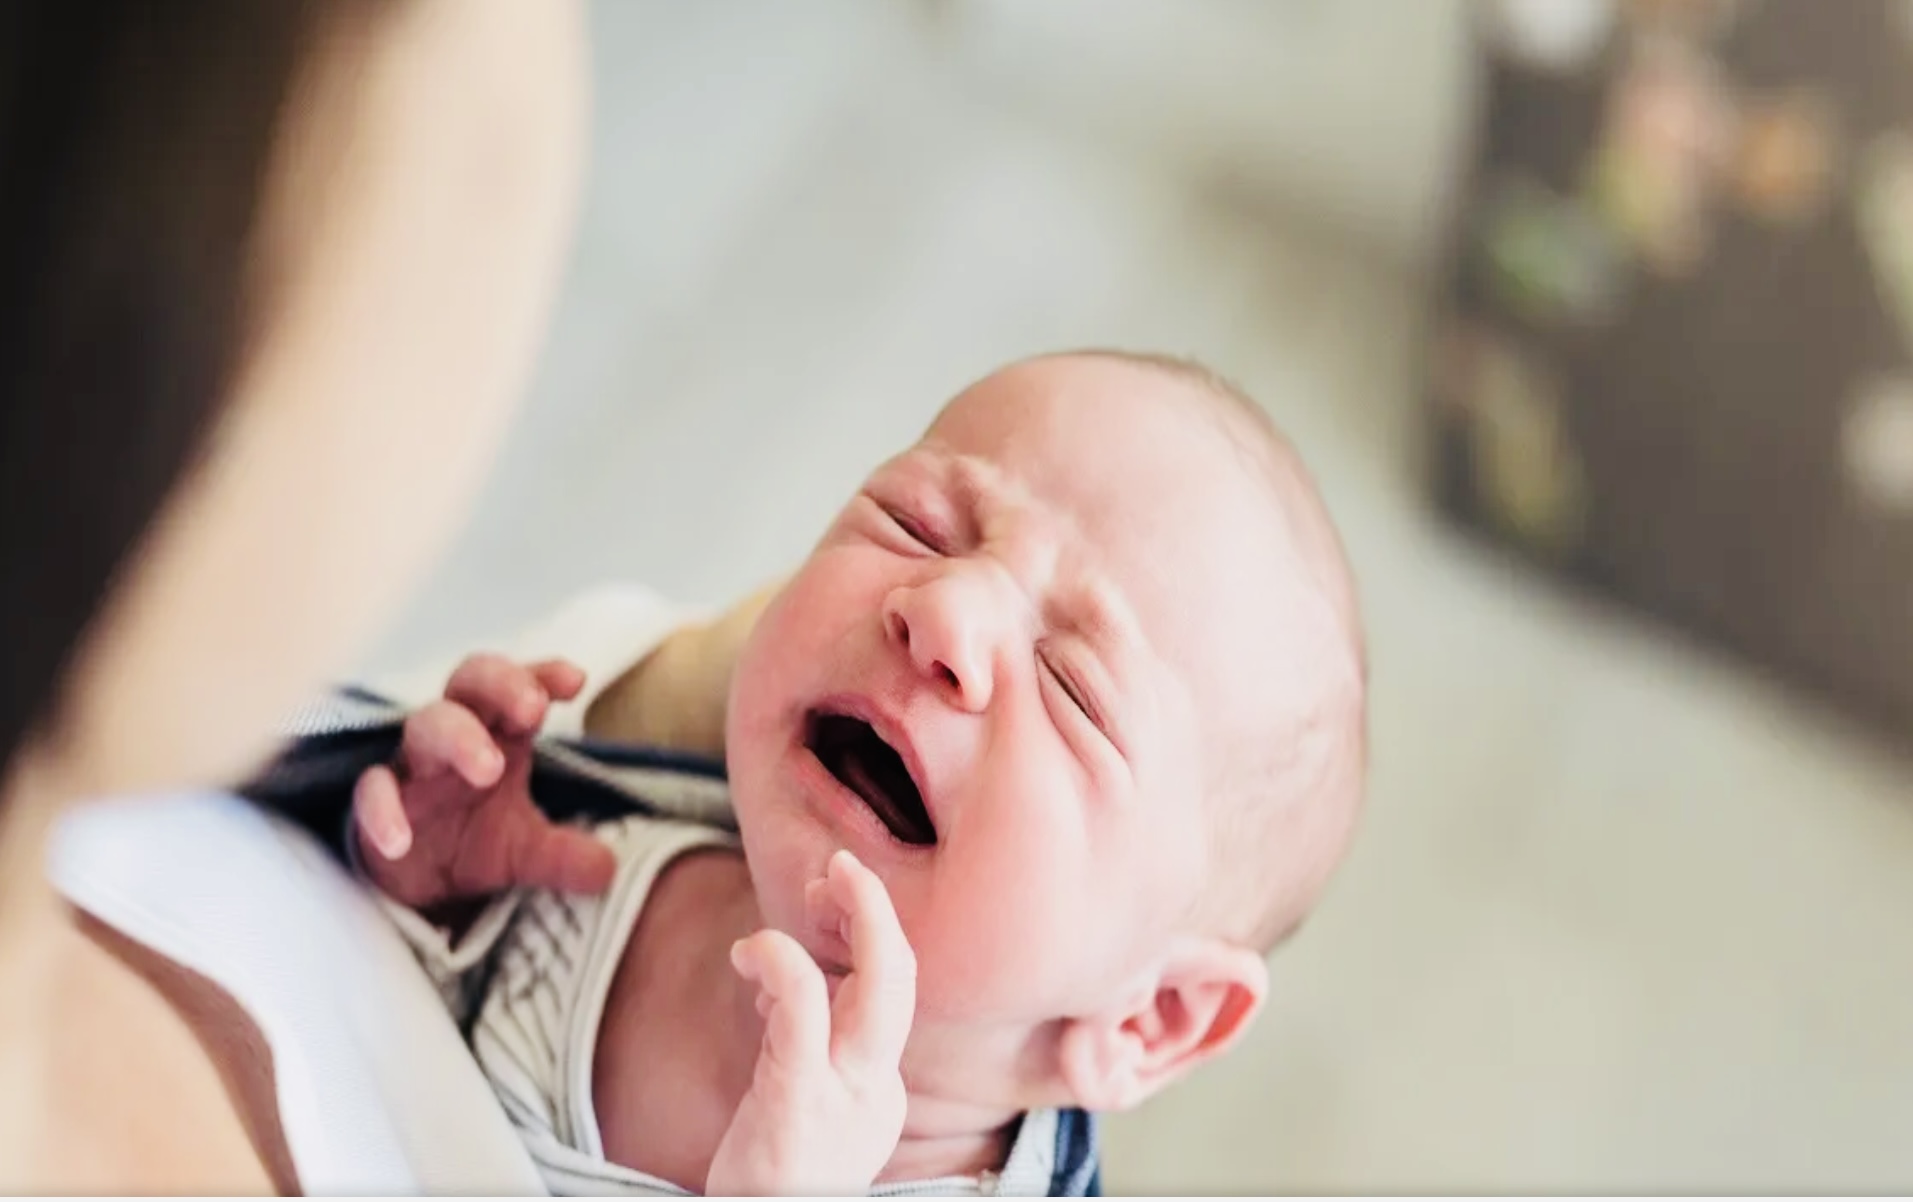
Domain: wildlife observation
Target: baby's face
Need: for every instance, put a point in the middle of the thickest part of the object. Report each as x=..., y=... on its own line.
x=999, y=681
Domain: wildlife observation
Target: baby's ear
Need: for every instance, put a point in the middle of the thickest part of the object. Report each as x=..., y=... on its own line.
x=1199, y=1001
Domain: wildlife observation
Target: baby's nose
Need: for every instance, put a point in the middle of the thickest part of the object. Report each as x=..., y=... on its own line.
x=946, y=630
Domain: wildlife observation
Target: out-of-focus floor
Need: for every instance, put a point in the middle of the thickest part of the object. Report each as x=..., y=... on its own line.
x=1623, y=917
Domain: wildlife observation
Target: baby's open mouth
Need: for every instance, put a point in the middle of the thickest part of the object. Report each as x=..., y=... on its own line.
x=853, y=752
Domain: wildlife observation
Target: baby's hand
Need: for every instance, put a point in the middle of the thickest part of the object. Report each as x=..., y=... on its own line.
x=453, y=818
x=826, y=1107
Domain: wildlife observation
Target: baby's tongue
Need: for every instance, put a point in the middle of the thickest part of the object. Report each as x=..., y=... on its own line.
x=866, y=784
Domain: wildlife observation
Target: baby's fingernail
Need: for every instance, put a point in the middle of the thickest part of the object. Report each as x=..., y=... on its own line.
x=391, y=840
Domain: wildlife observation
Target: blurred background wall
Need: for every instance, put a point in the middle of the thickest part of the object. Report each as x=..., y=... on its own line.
x=1628, y=913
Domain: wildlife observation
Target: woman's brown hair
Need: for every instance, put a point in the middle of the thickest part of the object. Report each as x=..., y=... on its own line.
x=135, y=140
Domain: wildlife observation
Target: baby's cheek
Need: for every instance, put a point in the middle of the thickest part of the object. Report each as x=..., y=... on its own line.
x=996, y=940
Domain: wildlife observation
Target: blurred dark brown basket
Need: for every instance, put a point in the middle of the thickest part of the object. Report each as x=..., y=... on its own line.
x=1674, y=356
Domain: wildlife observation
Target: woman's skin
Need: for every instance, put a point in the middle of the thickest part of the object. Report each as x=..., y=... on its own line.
x=418, y=210
x=676, y=697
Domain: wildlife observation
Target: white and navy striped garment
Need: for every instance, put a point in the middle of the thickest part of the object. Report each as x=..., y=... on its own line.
x=532, y=975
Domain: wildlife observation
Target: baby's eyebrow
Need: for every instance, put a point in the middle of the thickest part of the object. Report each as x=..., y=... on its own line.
x=970, y=481
x=1094, y=611
x=975, y=488
x=963, y=477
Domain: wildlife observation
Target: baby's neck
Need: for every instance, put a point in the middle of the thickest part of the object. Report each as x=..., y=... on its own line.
x=681, y=1034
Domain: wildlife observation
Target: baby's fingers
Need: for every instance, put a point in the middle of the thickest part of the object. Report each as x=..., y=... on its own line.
x=797, y=1014
x=379, y=809
x=508, y=696
x=447, y=737
x=878, y=1003
x=548, y=856
x=560, y=678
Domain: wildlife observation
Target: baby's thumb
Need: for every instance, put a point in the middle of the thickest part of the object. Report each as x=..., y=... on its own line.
x=565, y=859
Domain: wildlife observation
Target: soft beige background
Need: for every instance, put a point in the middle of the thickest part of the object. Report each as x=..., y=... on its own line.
x=1624, y=916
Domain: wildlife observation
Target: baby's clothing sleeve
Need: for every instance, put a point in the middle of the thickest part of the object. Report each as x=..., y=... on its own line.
x=607, y=631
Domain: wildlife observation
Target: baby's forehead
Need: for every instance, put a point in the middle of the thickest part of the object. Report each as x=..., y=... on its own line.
x=1151, y=503
x=1103, y=441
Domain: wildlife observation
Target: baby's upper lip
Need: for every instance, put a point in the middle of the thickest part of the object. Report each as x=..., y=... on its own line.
x=890, y=727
